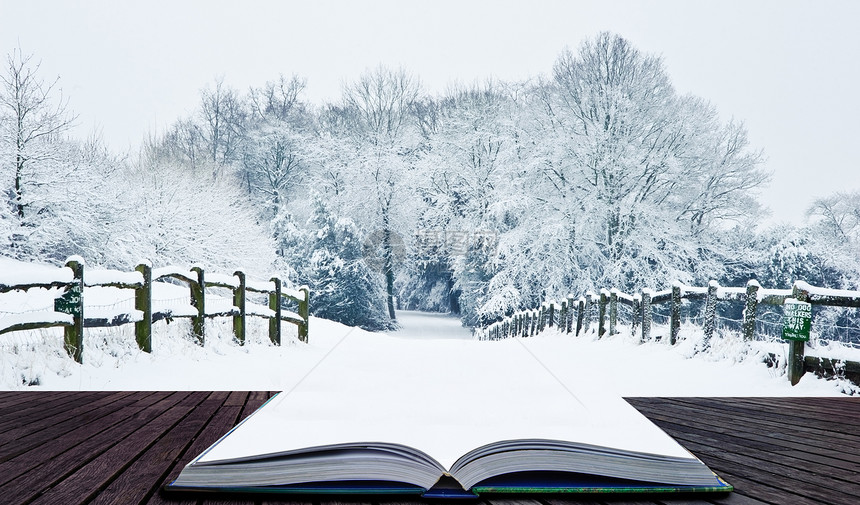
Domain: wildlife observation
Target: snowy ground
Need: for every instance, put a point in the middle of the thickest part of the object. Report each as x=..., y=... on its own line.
x=617, y=364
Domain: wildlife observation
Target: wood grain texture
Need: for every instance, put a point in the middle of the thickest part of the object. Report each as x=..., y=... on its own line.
x=122, y=447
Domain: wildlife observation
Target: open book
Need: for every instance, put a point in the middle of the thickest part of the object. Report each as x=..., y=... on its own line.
x=489, y=420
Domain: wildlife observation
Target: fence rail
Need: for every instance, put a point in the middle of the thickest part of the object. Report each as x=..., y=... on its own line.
x=573, y=315
x=69, y=310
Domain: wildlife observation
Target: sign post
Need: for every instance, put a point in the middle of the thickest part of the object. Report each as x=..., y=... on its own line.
x=796, y=323
x=72, y=302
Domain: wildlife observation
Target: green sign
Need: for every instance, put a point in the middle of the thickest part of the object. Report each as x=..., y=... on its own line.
x=796, y=320
x=70, y=301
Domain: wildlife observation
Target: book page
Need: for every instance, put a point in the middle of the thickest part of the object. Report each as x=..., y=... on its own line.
x=378, y=388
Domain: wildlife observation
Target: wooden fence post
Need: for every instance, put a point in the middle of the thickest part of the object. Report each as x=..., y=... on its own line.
x=239, y=303
x=710, y=322
x=586, y=319
x=613, y=311
x=198, y=300
x=143, y=303
x=750, y=307
x=580, y=315
x=562, y=316
x=637, y=314
x=73, y=336
x=646, y=315
x=796, y=348
x=534, y=325
x=601, y=313
x=569, y=320
x=551, y=314
x=304, y=313
x=675, y=312
x=275, y=305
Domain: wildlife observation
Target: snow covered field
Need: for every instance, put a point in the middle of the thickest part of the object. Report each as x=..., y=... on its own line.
x=434, y=345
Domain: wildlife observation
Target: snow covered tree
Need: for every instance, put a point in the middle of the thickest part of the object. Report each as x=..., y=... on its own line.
x=376, y=157
x=275, y=150
x=223, y=122
x=32, y=121
x=178, y=217
x=838, y=215
x=328, y=257
x=632, y=178
x=470, y=165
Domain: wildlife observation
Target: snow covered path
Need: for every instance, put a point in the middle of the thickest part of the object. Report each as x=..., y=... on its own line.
x=433, y=345
x=423, y=325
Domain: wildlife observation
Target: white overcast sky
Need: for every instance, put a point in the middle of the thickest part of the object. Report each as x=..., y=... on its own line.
x=789, y=69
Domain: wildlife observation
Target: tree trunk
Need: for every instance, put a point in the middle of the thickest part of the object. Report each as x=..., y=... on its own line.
x=19, y=197
x=389, y=270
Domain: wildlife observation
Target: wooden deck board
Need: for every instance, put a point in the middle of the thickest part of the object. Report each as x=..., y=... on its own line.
x=15, y=441
x=122, y=447
x=53, y=445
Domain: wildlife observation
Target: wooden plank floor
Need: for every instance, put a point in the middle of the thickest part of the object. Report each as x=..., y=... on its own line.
x=121, y=447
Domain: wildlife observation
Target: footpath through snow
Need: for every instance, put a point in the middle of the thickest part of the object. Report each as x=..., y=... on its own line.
x=431, y=344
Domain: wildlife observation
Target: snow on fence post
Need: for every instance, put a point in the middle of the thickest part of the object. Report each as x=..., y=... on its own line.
x=534, y=318
x=646, y=315
x=580, y=315
x=198, y=301
x=73, y=336
x=710, y=313
x=239, y=303
x=143, y=303
x=601, y=313
x=304, y=313
x=750, y=307
x=675, y=312
x=551, y=314
x=613, y=311
x=637, y=314
x=569, y=320
x=796, y=348
x=526, y=322
x=275, y=305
